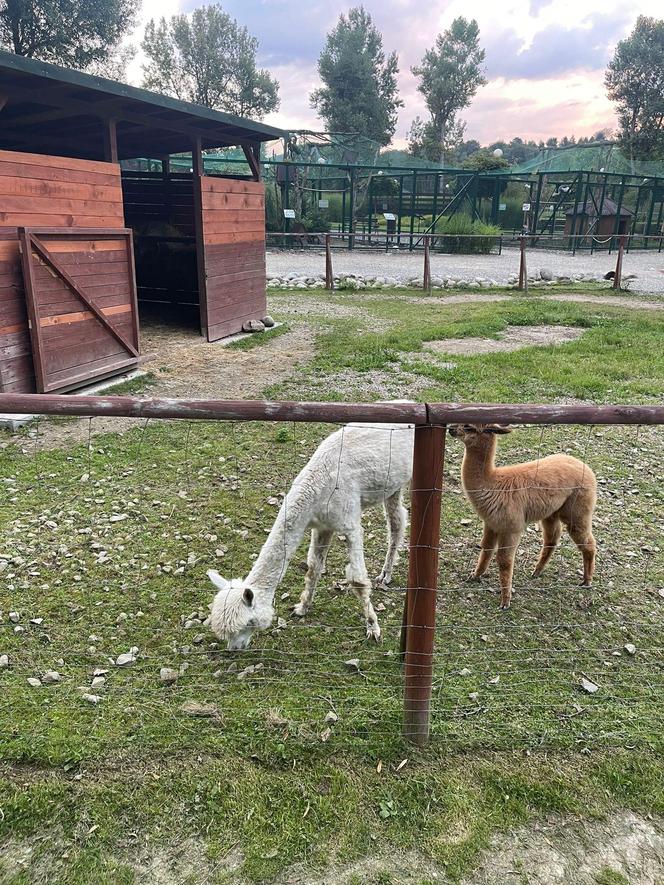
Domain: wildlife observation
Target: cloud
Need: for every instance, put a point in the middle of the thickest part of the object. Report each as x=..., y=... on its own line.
x=555, y=49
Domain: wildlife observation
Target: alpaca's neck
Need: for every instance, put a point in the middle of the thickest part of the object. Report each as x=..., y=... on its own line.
x=479, y=468
x=282, y=542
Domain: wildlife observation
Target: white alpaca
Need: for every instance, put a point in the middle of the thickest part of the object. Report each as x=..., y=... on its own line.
x=358, y=466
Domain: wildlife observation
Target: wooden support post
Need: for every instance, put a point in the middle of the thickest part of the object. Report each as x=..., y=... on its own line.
x=329, y=277
x=198, y=174
x=426, y=279
x=253, y=156
x=523, y=270
x=420, y=613
x=617, y=279
x=110, y=141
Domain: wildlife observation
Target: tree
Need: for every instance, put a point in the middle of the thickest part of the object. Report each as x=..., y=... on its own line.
x=450, y=75
x=635, y=82
x=484, y=161
x=208, y=59
x=73, y=33
x=424, y=140
x=359, y=92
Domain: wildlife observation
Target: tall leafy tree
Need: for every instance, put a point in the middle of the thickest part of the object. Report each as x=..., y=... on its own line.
x=450, y=74
x=209, y=59
x=73, y=33
x=359, y=92
x=635, y=82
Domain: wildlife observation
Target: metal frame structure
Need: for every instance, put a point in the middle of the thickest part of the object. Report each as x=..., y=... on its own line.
x=422, y=197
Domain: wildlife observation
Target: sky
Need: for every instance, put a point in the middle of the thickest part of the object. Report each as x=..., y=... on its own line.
x=545, y=59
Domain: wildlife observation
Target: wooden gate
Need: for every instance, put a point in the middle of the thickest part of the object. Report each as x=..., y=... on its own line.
x=80, y=292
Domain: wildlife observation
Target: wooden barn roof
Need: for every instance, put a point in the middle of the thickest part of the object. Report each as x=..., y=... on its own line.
x=609, y=208
x=48, y=109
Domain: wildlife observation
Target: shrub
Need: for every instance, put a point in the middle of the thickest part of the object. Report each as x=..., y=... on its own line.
x=465, y=236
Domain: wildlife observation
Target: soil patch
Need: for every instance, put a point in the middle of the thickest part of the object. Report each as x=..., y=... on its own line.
x=187, y=366
x=514, y=338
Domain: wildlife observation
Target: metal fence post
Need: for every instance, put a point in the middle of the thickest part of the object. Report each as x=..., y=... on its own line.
x=426, y=278
x=420, y=608
x=329, y=279
x=617, y=279
x=523, y=272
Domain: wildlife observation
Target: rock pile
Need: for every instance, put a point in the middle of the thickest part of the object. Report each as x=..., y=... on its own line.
x=354, y=282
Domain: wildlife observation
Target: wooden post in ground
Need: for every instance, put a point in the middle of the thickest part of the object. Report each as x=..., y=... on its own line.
x=426, y=279
x=329, y=277
x=420, y=611
x=617, y=279
x=523, y=271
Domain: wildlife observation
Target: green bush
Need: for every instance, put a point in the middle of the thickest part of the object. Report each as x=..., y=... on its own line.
x=465, y=236
x=316, y=221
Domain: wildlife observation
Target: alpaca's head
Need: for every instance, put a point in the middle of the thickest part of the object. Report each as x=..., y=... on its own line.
x=476, y=436
x=237, y=611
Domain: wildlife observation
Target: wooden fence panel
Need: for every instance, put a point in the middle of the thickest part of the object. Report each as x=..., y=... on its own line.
x=81, y=304
x=234, y=245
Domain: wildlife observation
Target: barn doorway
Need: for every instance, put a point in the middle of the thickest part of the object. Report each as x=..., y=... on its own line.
x=159, y=207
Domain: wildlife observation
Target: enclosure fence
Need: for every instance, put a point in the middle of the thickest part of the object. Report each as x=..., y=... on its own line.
x=425, y=668
x=333, y=244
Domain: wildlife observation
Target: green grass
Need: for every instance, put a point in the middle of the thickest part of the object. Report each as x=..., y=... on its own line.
x=100, y=793
x=256, y=340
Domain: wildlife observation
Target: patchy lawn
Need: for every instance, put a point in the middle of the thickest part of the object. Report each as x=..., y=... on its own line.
x=106, y=544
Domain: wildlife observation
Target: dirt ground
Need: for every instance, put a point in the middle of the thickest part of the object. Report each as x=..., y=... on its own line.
x=624, y=849
x=513, y=338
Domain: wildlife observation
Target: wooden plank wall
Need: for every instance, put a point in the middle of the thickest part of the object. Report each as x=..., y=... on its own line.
x=38, y=190
x=234, y=243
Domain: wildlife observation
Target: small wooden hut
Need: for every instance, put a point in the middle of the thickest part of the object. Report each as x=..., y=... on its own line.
x=600, y=218
x=83, y=242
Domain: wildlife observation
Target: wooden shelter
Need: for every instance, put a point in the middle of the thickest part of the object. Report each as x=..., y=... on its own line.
x=597, y=217
x=74, y=224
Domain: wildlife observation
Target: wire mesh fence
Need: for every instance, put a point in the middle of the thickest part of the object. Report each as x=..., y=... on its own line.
x=104, y=554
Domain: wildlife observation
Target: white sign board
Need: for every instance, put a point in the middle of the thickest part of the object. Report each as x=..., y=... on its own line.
x=323, y=204
x=502, y=207
x=389, y=216
x=289, y=213
x=526, y=207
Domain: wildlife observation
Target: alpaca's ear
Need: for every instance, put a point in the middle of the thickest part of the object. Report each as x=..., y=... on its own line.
x=497, y=428
x=219, y=582
x=248, y=596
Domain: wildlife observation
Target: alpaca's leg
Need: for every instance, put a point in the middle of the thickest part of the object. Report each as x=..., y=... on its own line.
x=582, y=534
x=358, y=578
x=396, y=516
x=489, y=544
x=507, y=544
x=321, y=541
x=552, y=529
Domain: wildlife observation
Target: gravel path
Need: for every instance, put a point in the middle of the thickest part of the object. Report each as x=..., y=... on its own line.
x=648, y=266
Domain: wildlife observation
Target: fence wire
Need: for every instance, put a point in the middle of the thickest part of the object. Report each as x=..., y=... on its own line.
x=104, y=549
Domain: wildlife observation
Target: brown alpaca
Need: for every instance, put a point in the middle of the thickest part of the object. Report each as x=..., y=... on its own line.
x=555, y=491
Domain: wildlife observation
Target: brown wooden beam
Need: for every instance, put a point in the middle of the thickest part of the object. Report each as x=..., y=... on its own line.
x=198, y=172
x=253, y=158
x=110, y=141
x=223, y=410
